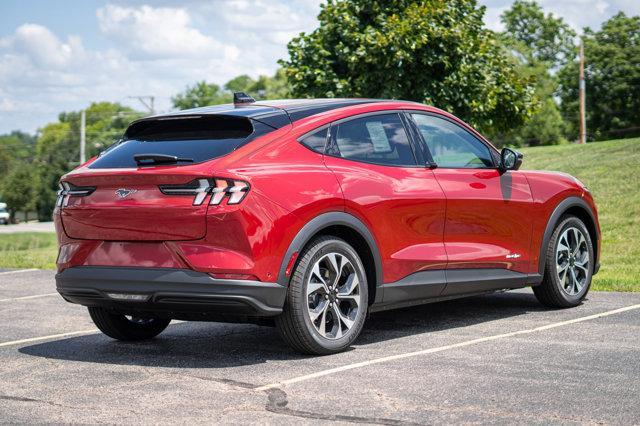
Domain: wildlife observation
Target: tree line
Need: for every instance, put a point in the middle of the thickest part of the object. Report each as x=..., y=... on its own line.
x=518, y=86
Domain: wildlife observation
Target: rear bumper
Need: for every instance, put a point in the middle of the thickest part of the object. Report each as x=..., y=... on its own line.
x=176, y=293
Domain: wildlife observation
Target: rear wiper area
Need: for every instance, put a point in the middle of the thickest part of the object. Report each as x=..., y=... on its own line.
x=152, y=159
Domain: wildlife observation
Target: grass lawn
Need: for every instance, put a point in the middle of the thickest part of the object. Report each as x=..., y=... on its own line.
x=28, y=250
x=610, y=169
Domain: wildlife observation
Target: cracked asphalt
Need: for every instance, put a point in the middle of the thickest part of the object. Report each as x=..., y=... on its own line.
x=500, y=358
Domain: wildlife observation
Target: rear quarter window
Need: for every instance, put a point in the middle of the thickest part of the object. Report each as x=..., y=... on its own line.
x=199, y=139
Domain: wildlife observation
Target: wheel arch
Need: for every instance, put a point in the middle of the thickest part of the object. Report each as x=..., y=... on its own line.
x=575, y=206
x=350, y=229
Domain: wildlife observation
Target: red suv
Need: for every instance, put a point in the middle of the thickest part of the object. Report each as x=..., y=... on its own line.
x=312, y=213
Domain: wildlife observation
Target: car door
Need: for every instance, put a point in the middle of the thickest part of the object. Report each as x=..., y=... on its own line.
x=392, y=192
x=488, y=224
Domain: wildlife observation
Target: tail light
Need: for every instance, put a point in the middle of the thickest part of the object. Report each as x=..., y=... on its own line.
x=68, y=189
x=219, y=188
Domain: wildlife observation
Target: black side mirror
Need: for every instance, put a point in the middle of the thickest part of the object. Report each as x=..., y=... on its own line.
x=510, y=159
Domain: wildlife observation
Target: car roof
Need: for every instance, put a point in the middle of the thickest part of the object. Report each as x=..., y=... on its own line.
x=275, y=113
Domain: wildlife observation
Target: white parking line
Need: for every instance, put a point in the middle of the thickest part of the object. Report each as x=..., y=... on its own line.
x=57, y=336
x=51, y=336
x=440, y=349
x=28, y=297
x=18, y=271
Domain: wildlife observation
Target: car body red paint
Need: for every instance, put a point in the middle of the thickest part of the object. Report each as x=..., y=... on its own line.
x=421, y=218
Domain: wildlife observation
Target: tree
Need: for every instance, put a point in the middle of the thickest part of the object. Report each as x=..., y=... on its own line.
x=15, y=147
x=432, y=51
x=199, y=95
x=537, y=44
x=18, y=190
x=612, y=75
x=58, y=146
x=204, y=94
x=547, y=38
x=546, y=126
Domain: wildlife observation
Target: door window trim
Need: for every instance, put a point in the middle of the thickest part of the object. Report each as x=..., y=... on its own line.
x=420, y=139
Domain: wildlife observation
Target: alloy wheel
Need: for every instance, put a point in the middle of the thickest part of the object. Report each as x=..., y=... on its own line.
x=333, y=295
x=572, y=261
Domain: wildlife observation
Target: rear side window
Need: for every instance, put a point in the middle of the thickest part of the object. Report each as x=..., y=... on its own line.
x=316, y=141
x=379, y=139
x=194, y=139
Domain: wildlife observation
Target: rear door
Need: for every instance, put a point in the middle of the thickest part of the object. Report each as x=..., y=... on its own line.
x=488, y=223
x=119, y=198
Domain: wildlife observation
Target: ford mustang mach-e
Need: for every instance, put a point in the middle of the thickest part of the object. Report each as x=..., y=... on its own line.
x=311, y=214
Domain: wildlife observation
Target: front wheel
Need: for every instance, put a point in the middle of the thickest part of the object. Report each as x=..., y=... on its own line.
x=568, y=265
x=327, y=299
x=126, y=327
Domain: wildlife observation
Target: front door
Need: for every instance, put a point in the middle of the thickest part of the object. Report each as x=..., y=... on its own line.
x=488, y=224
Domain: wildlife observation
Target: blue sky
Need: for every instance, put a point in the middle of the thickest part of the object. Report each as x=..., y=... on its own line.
x=59, y=55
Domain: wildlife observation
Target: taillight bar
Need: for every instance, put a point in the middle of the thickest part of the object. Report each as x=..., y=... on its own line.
x=68, y=189
x=219, y=188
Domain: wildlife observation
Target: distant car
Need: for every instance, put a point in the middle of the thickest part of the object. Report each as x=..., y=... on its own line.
x=4, y=214
x=312, y=213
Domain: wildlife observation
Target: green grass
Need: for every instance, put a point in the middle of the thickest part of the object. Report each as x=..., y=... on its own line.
x=611, y=170
x=28, y=250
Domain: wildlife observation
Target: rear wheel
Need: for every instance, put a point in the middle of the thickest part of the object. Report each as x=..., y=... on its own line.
x=568, y=265
x=127, y=327
x=327, y=299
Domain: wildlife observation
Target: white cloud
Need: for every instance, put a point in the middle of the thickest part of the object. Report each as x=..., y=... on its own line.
x=162, y=32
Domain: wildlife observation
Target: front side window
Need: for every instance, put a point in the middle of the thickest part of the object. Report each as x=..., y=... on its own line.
x=379, y=139
x=451, y=146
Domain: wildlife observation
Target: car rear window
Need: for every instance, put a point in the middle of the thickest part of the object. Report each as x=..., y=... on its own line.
x=197, y=138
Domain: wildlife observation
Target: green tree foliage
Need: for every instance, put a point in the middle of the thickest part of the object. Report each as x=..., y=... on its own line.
x=612, y=75
x=431, y=51
x=547, y=38
x=203, y=93
x=538, y=44
x=58, y=146
x=15, y=147
x=199, y=95
x=18, y=190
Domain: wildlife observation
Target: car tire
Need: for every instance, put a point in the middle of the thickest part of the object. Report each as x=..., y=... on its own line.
x=569, y=264
x=121, y=327
x=327, y=298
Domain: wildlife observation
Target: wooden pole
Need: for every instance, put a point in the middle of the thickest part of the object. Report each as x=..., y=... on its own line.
x=583, y=120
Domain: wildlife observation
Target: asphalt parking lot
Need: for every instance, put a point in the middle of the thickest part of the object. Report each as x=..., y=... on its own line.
x=500, y=358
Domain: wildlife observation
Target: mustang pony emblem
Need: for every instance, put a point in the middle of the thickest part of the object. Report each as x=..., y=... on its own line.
x=124, y=193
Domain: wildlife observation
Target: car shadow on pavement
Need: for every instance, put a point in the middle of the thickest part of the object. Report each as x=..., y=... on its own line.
x=217, y=345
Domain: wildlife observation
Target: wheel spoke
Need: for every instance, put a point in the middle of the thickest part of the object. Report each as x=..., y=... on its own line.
x=348, y=322
x=337, y=320
x=574, y=281
x=315, y=272
x=322, y=328
x=315, y=313
x=352, y=283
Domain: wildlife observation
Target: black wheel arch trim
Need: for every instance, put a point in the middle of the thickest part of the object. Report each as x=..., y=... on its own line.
x=561, y=209
x=326, y=220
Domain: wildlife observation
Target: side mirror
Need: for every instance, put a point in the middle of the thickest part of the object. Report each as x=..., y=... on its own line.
x=510, y=159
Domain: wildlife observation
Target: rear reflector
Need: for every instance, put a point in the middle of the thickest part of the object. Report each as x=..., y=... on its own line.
x=128, y=297
x=291, y=263
x=234, y=277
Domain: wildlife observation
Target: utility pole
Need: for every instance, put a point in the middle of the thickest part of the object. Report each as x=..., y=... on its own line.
x=583, y=120
x=83, y=135
x=147, y=101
